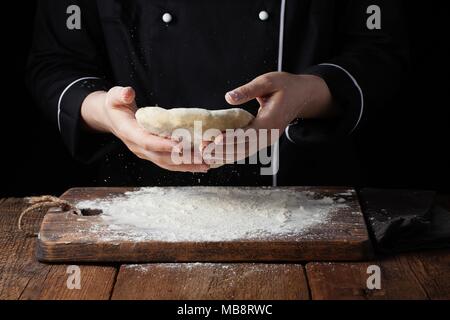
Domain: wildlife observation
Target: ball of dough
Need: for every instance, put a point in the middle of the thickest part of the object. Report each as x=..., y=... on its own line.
x=163, y=122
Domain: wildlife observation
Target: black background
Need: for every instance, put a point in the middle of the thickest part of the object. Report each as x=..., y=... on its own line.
x=407, y=147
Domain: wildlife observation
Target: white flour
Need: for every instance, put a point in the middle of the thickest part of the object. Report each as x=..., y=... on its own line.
x=210, y=213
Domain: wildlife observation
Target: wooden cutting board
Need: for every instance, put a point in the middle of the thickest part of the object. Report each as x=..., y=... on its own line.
x=65, y=237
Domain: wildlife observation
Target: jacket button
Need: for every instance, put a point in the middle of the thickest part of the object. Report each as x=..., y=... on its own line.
x=167, y=18
x=263, y=15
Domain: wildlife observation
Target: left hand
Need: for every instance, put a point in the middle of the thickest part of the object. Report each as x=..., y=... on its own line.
x=283, y=97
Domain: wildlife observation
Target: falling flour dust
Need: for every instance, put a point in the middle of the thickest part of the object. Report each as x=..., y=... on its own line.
x=200, y=214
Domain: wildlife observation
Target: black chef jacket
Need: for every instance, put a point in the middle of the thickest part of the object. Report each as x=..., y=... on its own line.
x=181, y=53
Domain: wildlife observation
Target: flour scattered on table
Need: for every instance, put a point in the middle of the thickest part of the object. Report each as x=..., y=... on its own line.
x=200, y=214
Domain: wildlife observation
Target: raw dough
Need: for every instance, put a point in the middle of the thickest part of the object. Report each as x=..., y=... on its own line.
x=163, y=122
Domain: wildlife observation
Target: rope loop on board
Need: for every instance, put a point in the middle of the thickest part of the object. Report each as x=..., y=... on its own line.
x=38, y=204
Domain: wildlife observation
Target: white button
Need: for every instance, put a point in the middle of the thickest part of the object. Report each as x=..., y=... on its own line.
x=263, y=15
x=167, y=17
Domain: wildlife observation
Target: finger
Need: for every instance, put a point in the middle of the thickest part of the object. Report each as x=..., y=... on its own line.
x=119, y=96
x=195, y=168
x=266, y=137
x=208, y=148
x=135, y=135
x=227, y=158
x=174, y=159
x=188, y=155
x=239, y=136
x=224, y=158
x=229, y=149
x=165, y=161
x=229, y=153
x=203, y=145
x=242, y=144
x=259, y=87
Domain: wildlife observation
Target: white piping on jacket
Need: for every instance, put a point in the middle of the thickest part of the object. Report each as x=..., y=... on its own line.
x=288, y=136
x=281, y=35
x=357, y=86
x=65, y=91
x=275, y=147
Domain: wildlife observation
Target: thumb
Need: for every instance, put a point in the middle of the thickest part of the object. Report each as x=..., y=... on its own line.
x=121, y=95
x=259, y=87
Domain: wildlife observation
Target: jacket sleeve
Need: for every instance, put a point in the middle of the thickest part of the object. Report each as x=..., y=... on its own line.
x=365, y=71
x=65, y=66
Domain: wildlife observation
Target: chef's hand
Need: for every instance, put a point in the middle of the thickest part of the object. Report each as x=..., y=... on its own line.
x=283, y=97
x=114, y=112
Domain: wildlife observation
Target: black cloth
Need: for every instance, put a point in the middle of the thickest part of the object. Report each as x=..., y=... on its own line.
x=208, y=48
x=405, y=220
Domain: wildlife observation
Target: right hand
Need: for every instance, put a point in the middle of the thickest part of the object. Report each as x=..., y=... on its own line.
x=114, y=112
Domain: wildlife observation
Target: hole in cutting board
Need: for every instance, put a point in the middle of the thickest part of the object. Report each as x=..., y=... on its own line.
x=91, y=212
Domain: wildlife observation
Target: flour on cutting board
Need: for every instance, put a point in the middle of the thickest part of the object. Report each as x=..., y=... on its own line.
x=201, y=214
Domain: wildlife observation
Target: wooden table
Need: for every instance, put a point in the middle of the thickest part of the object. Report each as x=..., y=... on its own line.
x=424, y=275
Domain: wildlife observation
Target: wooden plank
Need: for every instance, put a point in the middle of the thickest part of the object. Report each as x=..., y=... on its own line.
x=9, y=209
x=432, y=270
x=17, y=265
x=418, y=275
x=211, y=282
x=65, y=237
x=348, y=281
x=23, y=277
x=16, y=254
x=96, y=283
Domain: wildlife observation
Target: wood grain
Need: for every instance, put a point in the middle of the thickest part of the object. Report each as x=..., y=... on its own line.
x=65, y=237
x=432, y=270
x=97, y=283
x=16, y=254
x=211, y=282
x=23, y=277
x=424, y=275
x=410, y=276
x=9, y=213
x=17, y=265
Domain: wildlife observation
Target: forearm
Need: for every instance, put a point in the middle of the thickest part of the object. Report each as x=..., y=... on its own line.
x=93, y=112
x=318, y=100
